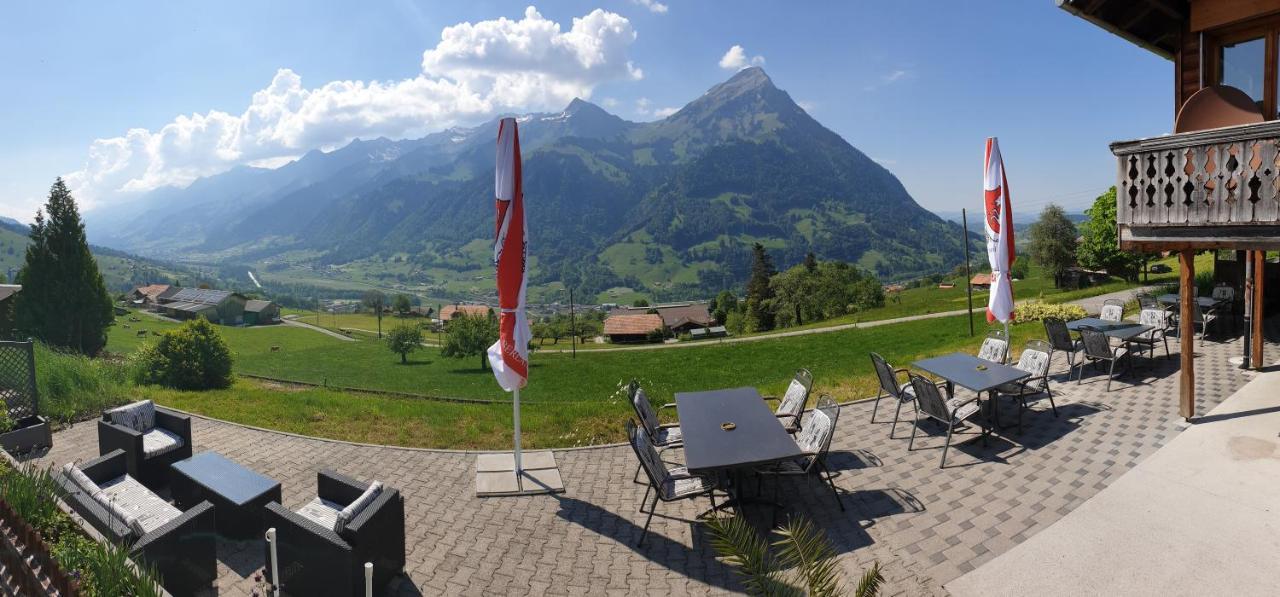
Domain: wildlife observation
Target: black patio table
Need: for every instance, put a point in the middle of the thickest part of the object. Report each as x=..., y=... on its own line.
x=1204, y=302
x=974, y=374
x=238, y=494
x=756, y=436
x=1120, y=330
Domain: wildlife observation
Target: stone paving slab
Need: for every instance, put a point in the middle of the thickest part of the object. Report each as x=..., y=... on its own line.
x=925, y=526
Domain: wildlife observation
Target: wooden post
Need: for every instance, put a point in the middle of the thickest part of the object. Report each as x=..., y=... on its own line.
x=1259, y=274
x=1186, y=333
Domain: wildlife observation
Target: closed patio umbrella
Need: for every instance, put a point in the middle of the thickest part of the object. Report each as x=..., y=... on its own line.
x=999, y=228
x=509, y=356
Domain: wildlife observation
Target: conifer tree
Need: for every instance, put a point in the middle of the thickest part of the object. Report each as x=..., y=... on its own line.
x=63, y=301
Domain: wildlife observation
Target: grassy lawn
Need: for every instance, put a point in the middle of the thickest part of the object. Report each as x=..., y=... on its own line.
x=569, y=402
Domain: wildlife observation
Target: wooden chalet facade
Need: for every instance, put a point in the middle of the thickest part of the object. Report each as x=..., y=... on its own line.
x=1214, y=184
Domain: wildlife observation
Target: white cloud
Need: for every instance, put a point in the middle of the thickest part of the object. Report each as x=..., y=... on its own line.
x=642, y=105
x=475, y=70
x=807, y=105
x=653, y=5
x=736, y=59
x=665, y=112
x=609, y=102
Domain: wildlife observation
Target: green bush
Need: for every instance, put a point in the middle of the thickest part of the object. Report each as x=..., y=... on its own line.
x=72, y=386
x=1038, y=310
x=190, y=357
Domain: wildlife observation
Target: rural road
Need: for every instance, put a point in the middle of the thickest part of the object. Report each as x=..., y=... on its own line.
x=308, y=326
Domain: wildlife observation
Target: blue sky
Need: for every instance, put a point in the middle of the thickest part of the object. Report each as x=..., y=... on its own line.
x=915, y=85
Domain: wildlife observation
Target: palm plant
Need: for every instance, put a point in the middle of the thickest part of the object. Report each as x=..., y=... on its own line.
x=804, y=562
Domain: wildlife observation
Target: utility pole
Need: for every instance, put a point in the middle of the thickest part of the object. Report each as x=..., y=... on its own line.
x=573, y=326
x=968, y=277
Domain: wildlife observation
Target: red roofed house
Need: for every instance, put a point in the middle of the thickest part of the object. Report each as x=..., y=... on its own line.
x=981, y=281
x=640, y=327
x=148, y=297
x=448, y=312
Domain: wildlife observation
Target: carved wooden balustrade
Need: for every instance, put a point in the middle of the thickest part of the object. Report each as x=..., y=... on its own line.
x=1206, y=189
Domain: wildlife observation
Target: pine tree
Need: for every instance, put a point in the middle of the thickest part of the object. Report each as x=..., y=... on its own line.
x=759, y=294
x=1053, y=242
x=64, y=301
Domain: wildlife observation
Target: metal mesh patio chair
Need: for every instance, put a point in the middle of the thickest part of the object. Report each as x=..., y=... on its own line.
x=661, y=435
x=995, y=347
x=815, y=441
x=1034, y=360
x=791, y=404
x=930, y=403
x=1097, y=348
x=1226, y=307
x=1147, y=301
x=889, y=386
x=1202, y=318
x=1158, y=319
x=668, y=484
x=1060, y=339
x=1112, y=310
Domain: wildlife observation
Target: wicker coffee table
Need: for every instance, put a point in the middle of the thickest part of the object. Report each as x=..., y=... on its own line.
x=238, y=494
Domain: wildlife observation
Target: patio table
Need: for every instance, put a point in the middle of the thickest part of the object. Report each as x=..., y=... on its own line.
x=757, y=437
x=1204, y=302
x=974, y=374
x=1120, y=330
x=238, y=494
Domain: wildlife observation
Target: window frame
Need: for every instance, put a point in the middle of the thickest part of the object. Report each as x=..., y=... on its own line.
x=1269, y=30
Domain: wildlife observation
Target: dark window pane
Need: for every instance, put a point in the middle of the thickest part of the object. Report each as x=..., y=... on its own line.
x=1244, y=66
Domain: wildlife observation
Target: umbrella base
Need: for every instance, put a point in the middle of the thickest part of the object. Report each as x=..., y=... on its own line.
x=496, y=475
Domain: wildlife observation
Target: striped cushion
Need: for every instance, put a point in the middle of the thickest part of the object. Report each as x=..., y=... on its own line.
x=322, y=512
x=139, y=416
x=159, y=441
x=139, y=507
x=356, y=506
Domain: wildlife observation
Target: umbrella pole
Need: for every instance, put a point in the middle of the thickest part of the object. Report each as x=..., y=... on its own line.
x=516, y=405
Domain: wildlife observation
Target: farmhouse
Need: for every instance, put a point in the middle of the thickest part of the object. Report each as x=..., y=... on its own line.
x=450, y=311
x=981, y=281
x=259, y=312
x=218, y=306
x=678, y=317
x=629, y=328
x=150, y=296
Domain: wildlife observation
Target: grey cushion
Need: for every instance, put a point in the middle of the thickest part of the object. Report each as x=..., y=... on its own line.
x=139, y=416
x=159, y=441
x=322, y=512
x=793, y=401
x=139, y=507
x=357, y=505
x=80, y=479
x=667, y=435
x=648, y=418
x=680, y=486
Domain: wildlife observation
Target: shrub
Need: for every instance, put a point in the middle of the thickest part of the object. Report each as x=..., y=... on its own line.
x=190, y=357
x=1038, y=310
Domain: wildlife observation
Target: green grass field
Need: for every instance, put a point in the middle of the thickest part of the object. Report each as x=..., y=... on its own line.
x=568, y=401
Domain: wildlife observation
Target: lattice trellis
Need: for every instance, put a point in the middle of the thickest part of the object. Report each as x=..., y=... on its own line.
x=18, y=379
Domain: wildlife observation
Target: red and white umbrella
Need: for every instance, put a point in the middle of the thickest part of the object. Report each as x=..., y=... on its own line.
x=509, y=356
x=999, y=225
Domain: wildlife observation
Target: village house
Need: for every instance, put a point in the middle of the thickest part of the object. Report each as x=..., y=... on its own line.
x=632, y=328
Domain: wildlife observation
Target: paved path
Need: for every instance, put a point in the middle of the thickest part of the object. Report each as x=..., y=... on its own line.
x=298, y=324
x=924, y=525
x=1093, y=304
x=1196, y=518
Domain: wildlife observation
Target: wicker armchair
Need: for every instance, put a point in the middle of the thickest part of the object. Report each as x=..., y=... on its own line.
x=815, y=441
x=181, y=546
x=995, y=347
x=791, y=405
x=320, y=557
x=1097, y=348
x=668, y=484
x=1034, y=360
x=149, y=449
x=931, y=404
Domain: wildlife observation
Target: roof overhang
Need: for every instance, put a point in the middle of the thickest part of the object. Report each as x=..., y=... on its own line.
x=1151, y=24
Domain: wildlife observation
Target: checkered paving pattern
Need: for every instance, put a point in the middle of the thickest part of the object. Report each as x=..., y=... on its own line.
x=924, y=525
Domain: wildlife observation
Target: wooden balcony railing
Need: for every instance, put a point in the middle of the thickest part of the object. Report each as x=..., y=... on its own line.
x=1206, y=189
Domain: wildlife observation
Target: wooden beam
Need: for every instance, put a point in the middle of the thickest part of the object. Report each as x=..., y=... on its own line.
x=1186, y=334
x=1259, y=275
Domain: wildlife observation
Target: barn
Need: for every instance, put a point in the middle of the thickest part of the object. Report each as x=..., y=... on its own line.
x=218, y=306
x=624, y=329
x=259, y=312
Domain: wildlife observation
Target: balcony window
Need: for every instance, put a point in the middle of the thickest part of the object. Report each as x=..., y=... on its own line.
x=1243, y=66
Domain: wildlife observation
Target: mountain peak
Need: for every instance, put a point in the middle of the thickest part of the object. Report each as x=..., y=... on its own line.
x=579, y=106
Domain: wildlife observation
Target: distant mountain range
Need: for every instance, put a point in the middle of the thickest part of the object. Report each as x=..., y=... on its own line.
x=1020, y=218
x=667, y=208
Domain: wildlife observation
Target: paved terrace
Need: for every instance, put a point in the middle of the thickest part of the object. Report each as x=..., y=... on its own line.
x=925, y=526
